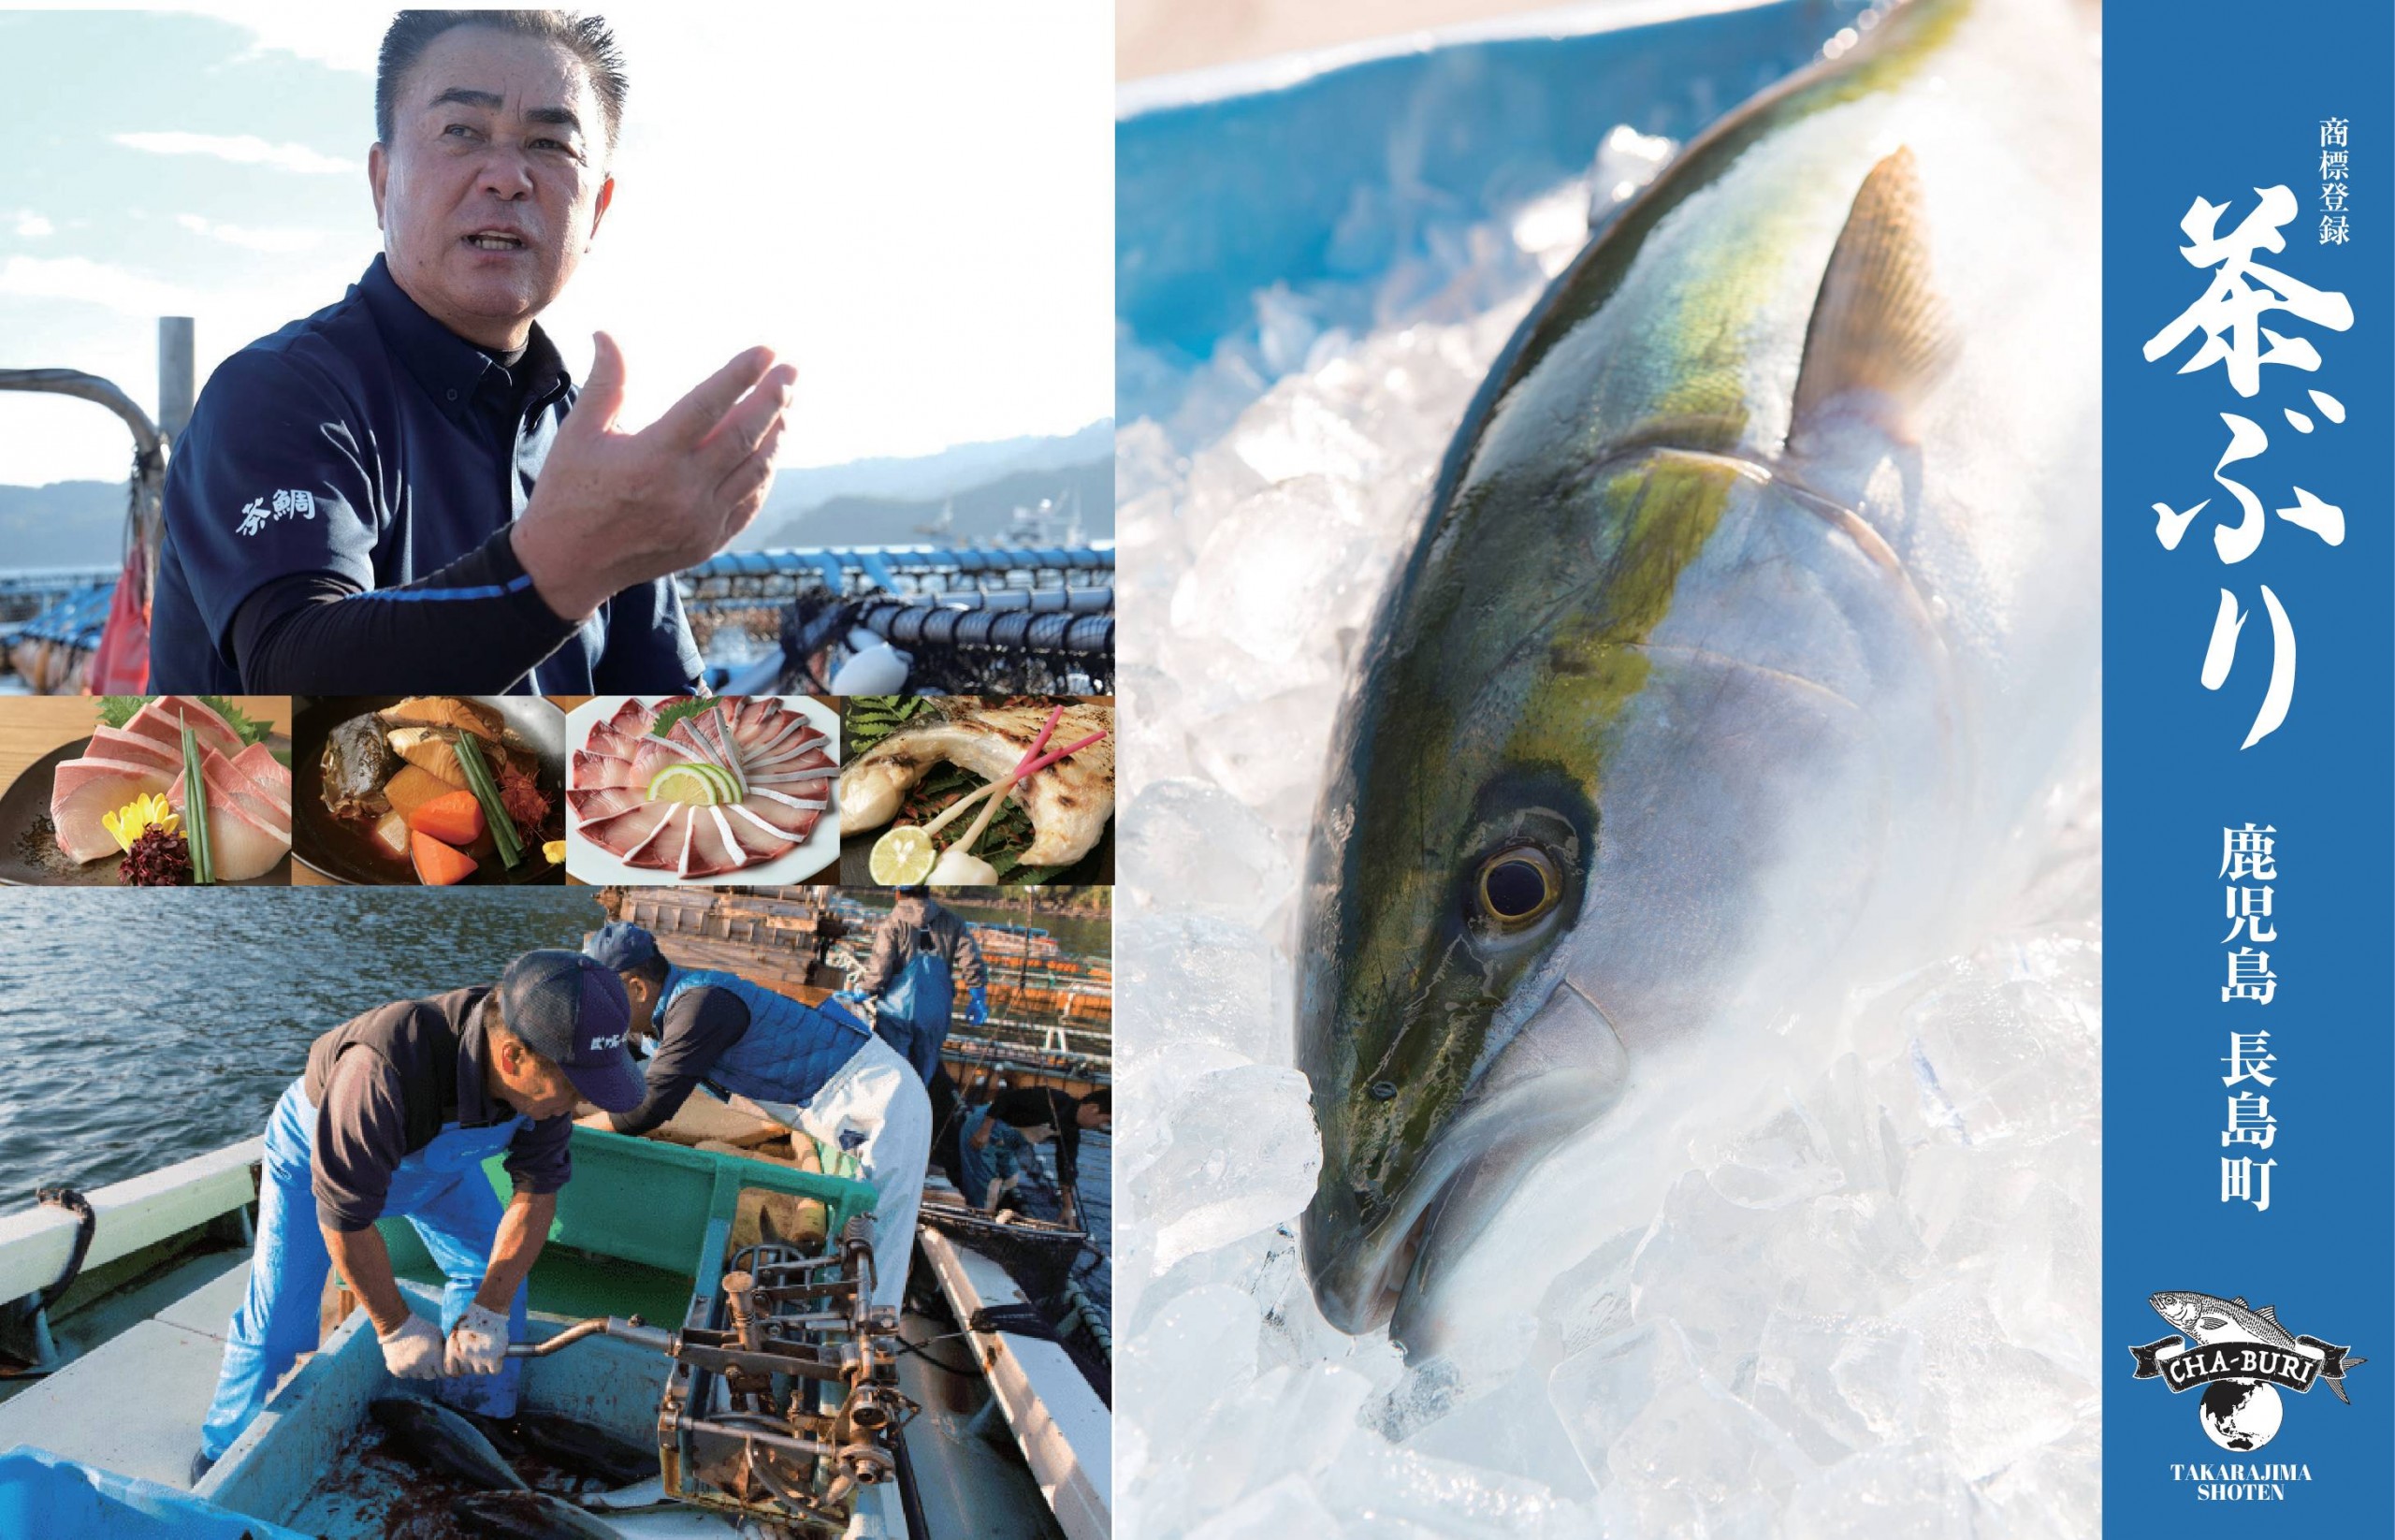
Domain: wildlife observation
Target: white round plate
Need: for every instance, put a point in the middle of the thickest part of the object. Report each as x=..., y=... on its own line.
x=586, y=863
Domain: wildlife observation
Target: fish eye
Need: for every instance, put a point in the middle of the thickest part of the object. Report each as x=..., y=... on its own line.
x=1518, y=885
x=1384, y=1090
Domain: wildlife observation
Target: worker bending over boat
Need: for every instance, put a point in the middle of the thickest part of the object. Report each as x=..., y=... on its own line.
x=393, y=1118
x=816, y=1068
x=995, y=1144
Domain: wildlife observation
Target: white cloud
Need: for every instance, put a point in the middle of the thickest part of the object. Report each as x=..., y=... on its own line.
x=79, y=278
x=31, y=226
x=339, y=36
x=254, y=238
x=245, y=149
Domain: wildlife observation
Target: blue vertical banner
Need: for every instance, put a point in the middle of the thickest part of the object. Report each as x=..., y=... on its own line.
x=2249, y=732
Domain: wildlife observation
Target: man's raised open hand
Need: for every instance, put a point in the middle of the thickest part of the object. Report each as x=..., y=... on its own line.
x=612, y=509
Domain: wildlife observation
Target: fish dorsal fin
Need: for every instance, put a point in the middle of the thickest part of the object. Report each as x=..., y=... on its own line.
x=2269, y=1313
x=1880, y=334
x=2240, y=1302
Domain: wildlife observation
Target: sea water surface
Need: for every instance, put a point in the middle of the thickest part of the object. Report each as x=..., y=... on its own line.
x=139, y=1028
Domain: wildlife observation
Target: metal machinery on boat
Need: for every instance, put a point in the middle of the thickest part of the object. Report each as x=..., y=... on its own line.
x=784, y=1396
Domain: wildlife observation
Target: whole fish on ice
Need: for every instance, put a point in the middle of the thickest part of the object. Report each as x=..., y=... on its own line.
x=1753, y=608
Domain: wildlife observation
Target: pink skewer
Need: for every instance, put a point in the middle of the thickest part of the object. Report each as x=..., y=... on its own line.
x=1040, y=742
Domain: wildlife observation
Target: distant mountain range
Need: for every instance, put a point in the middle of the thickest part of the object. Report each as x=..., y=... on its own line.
x=981, y=515
x=932, y=477
x=65, y=524
x=867, y=502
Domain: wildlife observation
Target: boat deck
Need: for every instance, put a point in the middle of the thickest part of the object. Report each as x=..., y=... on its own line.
x=134, y=1403
x=140, y=1337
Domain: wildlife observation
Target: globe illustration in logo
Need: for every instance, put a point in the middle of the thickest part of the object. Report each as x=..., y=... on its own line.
x=2241, y=1415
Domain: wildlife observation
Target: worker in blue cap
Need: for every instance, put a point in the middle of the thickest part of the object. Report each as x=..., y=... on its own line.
x=816, y=1068
x=393, y=1118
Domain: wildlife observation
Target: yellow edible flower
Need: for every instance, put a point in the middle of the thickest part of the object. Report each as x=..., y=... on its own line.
x=137, y=818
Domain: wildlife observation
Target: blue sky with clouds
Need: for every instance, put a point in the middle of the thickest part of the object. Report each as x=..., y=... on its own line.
x=914, y=202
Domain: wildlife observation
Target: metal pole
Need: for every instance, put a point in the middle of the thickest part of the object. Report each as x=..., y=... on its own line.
x=175, y=375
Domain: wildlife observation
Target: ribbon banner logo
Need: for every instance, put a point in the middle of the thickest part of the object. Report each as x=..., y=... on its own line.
x=2240, y=1358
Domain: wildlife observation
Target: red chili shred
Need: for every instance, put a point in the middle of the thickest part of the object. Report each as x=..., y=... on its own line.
x=524, y=799
x=157, y=860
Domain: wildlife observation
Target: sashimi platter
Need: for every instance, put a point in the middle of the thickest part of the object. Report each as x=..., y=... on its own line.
x=688, y=789
x=118, y=809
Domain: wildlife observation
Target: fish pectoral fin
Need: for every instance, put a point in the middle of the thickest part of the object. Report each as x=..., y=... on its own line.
x=1881, y=336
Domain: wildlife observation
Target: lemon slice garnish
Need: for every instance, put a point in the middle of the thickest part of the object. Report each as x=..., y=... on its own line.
x=698, y=785
x=903, y=855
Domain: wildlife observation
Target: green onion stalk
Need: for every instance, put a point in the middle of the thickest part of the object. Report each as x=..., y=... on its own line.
x=486, y=789
x=203, y=858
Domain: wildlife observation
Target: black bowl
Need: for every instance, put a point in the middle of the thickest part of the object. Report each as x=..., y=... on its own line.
x=345, y=848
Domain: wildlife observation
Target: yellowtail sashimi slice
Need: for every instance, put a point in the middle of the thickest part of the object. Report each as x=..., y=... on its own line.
x=86, y=791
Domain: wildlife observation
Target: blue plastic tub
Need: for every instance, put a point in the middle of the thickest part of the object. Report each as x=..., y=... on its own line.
x=42, y=1496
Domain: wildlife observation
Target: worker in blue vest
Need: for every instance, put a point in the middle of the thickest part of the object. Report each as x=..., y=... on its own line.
x=816, y=1068
x=922, y=955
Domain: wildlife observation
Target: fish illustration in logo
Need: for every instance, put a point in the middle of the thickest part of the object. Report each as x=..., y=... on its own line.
x=2207, y=1318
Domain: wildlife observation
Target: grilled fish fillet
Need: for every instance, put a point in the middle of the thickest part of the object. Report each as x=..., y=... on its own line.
x=1070, y=802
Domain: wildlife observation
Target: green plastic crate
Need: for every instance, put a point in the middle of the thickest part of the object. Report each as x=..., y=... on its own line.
x=650, y=1204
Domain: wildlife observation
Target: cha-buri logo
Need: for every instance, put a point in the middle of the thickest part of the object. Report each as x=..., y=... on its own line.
x=2240, y=1358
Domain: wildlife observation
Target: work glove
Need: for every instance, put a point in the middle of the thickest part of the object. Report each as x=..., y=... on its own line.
x=979, y=1011
x=414, y=1351
x=850, y=997
x=479, y=1344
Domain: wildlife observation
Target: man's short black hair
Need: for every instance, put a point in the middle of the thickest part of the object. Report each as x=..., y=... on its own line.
x=1102, y=1099
x=587, y=37
x=652, y=968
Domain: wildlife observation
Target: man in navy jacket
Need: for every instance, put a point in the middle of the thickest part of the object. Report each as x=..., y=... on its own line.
x=404, y=491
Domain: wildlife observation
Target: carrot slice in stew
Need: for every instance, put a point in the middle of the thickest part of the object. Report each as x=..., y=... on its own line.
x=455, y=819
x=437, y=864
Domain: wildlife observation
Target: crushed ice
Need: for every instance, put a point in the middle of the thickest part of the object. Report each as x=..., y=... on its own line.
x=1863, y=1306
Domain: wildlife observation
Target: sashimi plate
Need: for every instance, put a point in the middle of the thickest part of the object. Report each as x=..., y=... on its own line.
x=811, y=857
x=29, y=853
